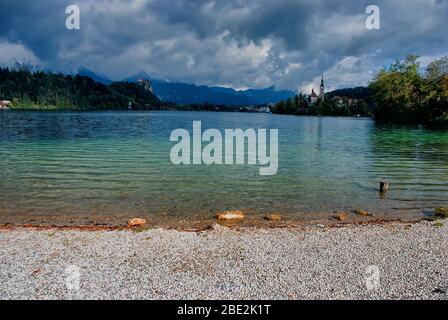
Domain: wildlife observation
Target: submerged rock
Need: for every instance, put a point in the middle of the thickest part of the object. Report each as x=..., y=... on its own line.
x=342, y=216
x=230, y=215
x=363, y=213
x=136, y=222
x=273, y=217
x=442, y=212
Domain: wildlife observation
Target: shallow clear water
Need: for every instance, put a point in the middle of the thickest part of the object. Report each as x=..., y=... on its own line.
x=118, y=163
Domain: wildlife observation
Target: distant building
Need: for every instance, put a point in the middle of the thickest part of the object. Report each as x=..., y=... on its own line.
x=338, y=99
x=322, y=90
x=265, y=109
x=352, y=102
x=4, y=104
x=314, y=97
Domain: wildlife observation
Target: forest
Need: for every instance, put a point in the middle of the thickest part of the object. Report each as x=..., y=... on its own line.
x=49, y=91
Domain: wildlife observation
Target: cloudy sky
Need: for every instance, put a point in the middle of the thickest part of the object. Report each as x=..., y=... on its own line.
x=233, y=43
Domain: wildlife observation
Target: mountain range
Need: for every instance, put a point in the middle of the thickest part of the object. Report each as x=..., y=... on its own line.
x=180, y=92
x=186, y=93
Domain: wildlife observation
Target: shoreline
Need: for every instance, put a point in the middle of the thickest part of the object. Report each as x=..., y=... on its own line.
x=311, y=262
x=208, y=225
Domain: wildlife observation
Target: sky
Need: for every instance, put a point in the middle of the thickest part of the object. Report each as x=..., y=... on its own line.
x=232, y=43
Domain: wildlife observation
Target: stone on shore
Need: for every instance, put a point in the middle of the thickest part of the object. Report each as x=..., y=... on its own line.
x=219, y=228
x=230, y=215
x=136, y=222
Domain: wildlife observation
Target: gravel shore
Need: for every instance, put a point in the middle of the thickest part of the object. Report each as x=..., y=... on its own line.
x=307, y=263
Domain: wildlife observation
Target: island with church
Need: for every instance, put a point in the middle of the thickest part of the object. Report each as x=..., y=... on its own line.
x=314, y=98
x=355, y=102
x=421, y=97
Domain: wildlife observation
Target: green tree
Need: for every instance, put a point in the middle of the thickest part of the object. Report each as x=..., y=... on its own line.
x=436, y=91
x=397, y=92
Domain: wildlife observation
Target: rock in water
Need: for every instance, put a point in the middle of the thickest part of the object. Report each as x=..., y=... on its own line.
x=442, y=212
x=136, y=222
x=230, y=215
x=384, y=186
x=363, y=213
x=342, y=216
x=273, y=217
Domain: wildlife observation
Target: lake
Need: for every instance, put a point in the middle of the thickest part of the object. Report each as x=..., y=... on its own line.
x=117, y=164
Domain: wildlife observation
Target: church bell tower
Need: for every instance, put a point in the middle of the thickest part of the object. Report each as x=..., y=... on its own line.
x=322, y=90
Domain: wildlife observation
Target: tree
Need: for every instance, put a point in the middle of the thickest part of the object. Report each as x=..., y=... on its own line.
x=397, y=92
x=436, y=90
x=403, y=95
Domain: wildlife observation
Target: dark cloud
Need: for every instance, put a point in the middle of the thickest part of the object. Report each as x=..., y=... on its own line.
x=236, y=43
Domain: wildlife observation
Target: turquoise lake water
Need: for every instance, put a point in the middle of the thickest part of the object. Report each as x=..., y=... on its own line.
x=106, y=163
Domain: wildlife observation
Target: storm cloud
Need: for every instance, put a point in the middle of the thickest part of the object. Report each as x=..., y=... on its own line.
x=233, y=43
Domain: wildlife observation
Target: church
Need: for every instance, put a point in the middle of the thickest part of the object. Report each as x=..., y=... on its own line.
x=314, y=97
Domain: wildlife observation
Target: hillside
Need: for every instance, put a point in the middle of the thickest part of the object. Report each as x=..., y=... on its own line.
x=362, y=93
x=40, y=90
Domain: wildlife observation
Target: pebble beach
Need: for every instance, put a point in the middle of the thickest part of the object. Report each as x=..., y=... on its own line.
x=313, y=262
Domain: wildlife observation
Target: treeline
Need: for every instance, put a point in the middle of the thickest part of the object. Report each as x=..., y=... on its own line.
x=403, y=94
x=40, y=90
x=362, y=93
x=218, y=107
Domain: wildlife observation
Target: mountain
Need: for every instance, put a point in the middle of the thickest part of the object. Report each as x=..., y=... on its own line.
x=83, y=71
x=24, y=65
x=146, y=76
x=185, y=93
